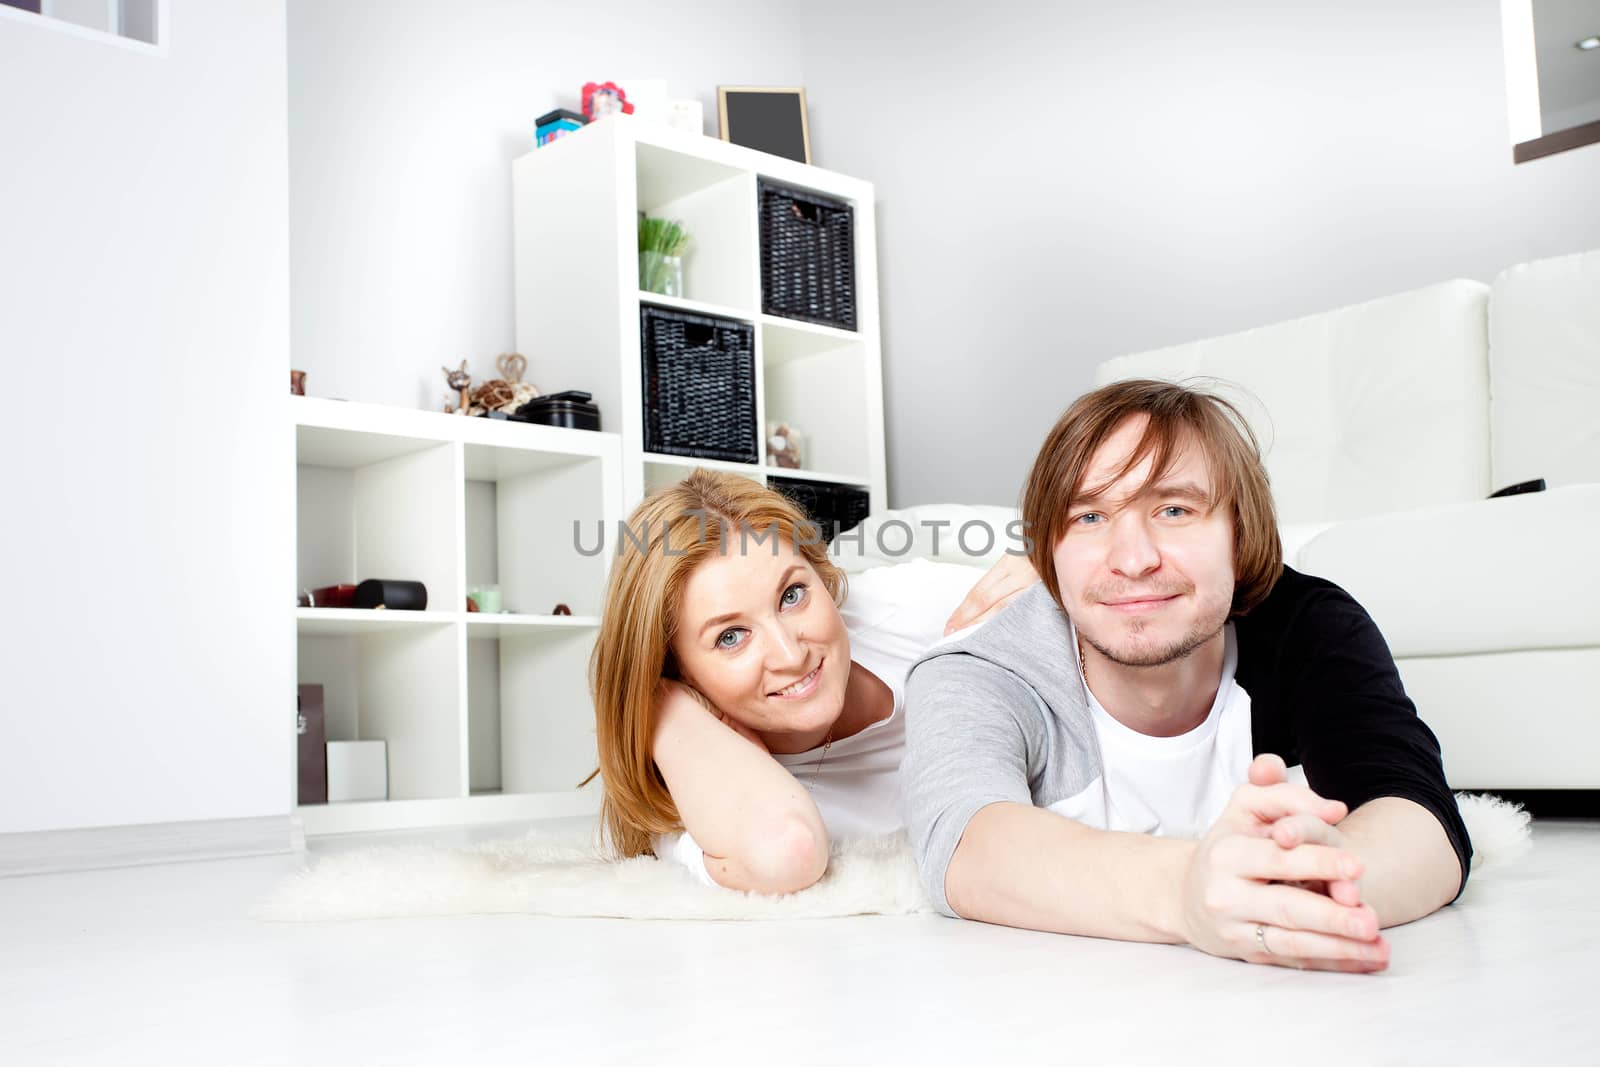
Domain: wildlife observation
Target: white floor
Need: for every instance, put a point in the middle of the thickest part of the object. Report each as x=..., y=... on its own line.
x=163, y=964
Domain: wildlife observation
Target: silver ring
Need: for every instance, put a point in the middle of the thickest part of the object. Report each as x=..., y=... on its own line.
x=1261, y=938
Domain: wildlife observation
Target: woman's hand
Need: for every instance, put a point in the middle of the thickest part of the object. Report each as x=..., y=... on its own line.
x=1010, y=576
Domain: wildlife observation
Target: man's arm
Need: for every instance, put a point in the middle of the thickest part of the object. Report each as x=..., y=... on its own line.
x=987, y=853
x=1411, y=867
x=1361, y=741
x=1018, y=865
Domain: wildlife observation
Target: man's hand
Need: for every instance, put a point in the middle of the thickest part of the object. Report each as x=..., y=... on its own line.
x=675, y=697
x=1240, y=878
x=1293, y=830
x=1010, y=576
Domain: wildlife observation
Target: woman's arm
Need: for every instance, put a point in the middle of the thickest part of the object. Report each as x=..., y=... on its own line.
x=758, y=827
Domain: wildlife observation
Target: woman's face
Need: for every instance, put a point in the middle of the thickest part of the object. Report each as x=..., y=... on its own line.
x=760, y=637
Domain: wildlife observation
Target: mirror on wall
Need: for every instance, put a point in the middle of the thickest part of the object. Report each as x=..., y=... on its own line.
x=1552, y=75
x=131, y=20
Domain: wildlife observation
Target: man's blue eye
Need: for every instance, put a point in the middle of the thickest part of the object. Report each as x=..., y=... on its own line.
x=1181, y=511
x=1088, y=518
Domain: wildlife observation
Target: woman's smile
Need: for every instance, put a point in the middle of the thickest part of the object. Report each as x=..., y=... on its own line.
x=803, y=688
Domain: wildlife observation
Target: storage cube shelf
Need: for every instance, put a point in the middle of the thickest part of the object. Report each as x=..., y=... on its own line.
x=485, y=716
x=488, y=717
x=577, y=203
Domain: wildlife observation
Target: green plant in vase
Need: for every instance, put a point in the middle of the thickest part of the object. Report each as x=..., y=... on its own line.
x=661, y=246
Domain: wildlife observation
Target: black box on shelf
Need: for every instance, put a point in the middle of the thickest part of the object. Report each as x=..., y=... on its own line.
x=699, y=385
x=833, y=506
x=808, y=257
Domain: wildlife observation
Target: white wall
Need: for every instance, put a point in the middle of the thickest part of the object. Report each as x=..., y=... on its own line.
x=1059, y=184
x=403, y=122
x=146, y=654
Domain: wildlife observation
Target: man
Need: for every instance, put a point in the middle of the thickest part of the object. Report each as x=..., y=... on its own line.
x=1107, y=755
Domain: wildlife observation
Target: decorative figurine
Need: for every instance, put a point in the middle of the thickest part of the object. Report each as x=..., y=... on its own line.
x=297, y=382
x=783, y=445
x=562, y=609
x=461, y=382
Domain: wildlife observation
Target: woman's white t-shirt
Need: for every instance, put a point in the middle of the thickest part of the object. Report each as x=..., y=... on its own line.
x=893, y=614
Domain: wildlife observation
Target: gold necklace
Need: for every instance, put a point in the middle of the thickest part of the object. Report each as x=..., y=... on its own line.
x=825, y=746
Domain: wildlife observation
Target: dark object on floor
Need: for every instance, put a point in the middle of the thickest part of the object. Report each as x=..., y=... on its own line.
x=699, y=386
x=311, y=729
x=1555, y=803
x=392, y=594
x=1535, y=485
x=571, y=409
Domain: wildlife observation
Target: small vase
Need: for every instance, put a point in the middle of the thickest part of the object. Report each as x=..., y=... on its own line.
x=661, y=274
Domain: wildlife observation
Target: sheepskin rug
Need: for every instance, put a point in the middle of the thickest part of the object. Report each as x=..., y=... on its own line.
x=535, y=875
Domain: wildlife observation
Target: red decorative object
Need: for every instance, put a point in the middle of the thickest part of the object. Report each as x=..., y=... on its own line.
x=472, y=605
x=604, y=98
x=334, y=596
x=562, y=609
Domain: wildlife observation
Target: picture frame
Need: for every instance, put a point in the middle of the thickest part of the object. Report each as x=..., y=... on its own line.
x=767, y=118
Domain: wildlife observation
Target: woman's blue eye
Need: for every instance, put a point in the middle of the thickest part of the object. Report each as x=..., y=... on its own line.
x=799, y=589
x=722, y=638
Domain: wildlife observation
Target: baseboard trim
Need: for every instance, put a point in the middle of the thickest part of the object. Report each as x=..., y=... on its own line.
x=100, y=847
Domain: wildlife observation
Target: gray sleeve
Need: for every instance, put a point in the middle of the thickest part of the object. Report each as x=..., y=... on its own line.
x=966, y=748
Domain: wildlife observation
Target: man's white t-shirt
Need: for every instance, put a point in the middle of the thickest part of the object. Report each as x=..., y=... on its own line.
x=1167, y=786
x=894, y=614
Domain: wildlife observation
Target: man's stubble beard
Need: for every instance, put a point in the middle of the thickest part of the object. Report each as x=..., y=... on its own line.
x=1204, y=631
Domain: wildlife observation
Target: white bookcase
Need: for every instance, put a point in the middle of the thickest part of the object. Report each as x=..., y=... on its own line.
x=486, y=717
x=577, y=202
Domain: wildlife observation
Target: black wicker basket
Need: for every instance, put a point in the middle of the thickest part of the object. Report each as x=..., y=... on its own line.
x=808, y=257
x=699, y=385
x=831, y=505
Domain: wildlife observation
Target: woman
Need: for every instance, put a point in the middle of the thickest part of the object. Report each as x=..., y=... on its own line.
x=744, y=710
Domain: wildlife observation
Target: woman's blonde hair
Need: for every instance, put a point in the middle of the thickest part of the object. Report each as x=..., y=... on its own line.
x=668, y=535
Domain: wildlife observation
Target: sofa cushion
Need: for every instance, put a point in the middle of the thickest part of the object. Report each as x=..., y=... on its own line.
x=1544, y=358
x=1492, y=576
x=1378, y=407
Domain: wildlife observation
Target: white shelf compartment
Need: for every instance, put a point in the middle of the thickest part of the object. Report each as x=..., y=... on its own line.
x=413, y=494
x=397, y=682
x=713, y=202
x=531, y=720
x=815, y=379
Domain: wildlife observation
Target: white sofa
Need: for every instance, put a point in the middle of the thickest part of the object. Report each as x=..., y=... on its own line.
x=1386, y=425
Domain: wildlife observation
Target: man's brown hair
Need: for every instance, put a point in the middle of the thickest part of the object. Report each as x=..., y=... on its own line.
x=1178, y=415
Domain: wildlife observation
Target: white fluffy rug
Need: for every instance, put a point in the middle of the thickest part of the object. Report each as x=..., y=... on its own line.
x=535, y=876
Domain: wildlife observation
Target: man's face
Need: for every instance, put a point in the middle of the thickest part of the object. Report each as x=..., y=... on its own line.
x=1146, y=571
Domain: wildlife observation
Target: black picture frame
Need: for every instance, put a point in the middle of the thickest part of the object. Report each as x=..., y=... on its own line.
x=767, y=118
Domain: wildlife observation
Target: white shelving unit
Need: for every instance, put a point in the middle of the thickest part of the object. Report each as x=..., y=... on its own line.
x=485, y=717
x=489, y=717
x=577, y=202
